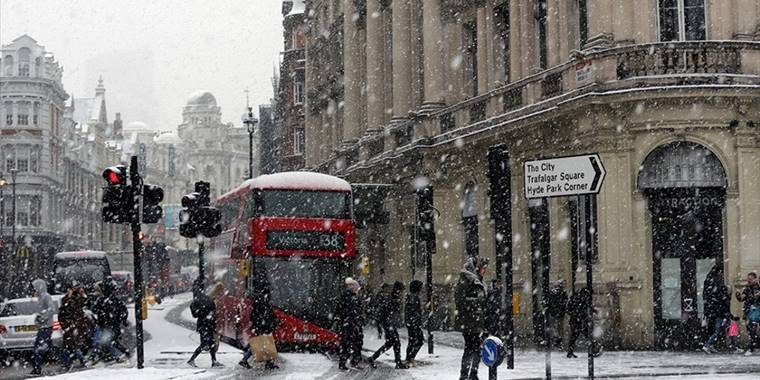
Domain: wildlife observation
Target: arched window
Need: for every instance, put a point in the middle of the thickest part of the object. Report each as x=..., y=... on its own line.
x=24, y=57
x=470, y=218
x=8, y=66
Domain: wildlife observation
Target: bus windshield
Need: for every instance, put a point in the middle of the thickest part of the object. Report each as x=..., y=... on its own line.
x=85, y=271
x=308, y=204
x=304, y=287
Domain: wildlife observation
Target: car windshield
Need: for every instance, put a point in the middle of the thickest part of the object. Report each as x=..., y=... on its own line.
x=304, y=287
x=19, y=308
x=310, y=204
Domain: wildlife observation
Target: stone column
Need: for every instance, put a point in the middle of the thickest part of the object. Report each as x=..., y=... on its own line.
x=483, y=18
x=746, y=19
x=432, y=39
x=402, y=62
x=352, y=78
x=599, y=24
x=375, y=60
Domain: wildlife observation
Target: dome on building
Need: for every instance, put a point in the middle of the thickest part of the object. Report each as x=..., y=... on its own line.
x=137, y=126
x=167, y=138
x=201, y=98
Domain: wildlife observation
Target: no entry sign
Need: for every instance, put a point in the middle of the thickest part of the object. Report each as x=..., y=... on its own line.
x=556, y=177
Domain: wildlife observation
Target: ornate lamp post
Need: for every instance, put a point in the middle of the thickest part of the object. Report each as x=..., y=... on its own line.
x=250, y=124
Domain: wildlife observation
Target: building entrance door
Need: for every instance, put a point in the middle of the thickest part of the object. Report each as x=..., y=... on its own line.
x=687, y=241
x=684, y=183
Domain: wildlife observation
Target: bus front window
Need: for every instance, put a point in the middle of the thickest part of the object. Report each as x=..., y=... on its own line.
x=309, y=204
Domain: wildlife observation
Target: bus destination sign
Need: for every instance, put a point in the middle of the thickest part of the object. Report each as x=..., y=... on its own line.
x=305, y=241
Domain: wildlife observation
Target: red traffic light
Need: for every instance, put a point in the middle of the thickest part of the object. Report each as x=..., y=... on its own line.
x=116, y=175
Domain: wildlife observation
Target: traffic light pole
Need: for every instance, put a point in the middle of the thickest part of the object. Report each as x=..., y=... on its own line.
x=137, y=188
x=201, y=264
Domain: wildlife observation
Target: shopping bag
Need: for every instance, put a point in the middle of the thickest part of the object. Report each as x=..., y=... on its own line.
x=263, y=348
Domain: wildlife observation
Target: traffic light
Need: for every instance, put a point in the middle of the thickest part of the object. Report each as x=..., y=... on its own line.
x=152, y=196
x=118, y=202
x=197, y=216
x=188, y=216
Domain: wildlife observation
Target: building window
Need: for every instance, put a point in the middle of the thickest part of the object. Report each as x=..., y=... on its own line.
x=682, y=20
x=10, y=158
x=298, y=95
x=299, y=141
x=543, y=60
x=8, y=67
x=36, y=114
x=471, y=57
x=470, y=219
x=582, y=23
x=24, y=55
x=34, y=160
x=8, y=113
x=35, y=207
x=501, y=23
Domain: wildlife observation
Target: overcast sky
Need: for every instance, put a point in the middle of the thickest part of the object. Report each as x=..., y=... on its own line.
x=153, y=53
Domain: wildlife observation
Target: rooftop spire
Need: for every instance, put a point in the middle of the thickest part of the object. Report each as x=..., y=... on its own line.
x=100, y=89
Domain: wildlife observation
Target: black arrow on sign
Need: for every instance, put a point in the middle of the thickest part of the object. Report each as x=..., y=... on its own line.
x=597, y=171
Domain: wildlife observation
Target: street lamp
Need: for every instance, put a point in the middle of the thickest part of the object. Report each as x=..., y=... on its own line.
x=3, y=261
x=250, y=124
x=13, y=209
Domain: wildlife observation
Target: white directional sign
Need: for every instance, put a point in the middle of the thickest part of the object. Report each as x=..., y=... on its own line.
x=556, y=177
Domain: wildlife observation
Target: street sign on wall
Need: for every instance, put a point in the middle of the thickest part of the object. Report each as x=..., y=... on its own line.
x=556, y=177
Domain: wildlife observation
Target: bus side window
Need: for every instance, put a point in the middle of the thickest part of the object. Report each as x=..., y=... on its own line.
x=250, y=207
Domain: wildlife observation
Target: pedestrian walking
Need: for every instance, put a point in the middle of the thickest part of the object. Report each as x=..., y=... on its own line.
x=750, y=296
x=413, y=321
x=577, y=308
x=374, y=306
x=388, y=314
x=470, y=298
x=44, y=322
x=557, y=304
x=717, y=307
x=733, y=334
x=349, y=319
x=75, y=324
x=263, y=320
x=110, y=315
x=204, y=310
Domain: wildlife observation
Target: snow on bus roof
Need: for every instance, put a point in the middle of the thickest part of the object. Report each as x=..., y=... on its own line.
x=295, y=181
x=80, y=254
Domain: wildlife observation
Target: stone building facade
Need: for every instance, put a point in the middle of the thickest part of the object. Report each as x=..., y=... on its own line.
x=410, y=92
x=56, y=150
x=290, y=95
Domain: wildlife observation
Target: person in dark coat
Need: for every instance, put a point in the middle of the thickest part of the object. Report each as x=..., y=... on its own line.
x=204, y=310
x=110, y=315
x=470, y=298
x=717, y=308
x=263, y=320
x=577, y=309
x=389, y=308
x=413, y=321
x=750, y=296
x=75, y=324
x=557, y=304
x=374, y=306
x=350, y=322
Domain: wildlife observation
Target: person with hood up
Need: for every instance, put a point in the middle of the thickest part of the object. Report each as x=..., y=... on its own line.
x=470, y=299
x=44, y=322
x=413, y=319
x=389, y=309
x=717, y=309
x=204, y=310
x=349, y=318
x=75, y=324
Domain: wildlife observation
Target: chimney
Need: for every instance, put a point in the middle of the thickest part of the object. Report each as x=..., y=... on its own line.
x=118, y=126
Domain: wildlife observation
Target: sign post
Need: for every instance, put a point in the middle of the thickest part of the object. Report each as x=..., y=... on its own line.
x=580, y=175
x=492, y=354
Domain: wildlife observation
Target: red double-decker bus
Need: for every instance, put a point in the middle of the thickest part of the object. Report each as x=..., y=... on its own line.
x=295, y=230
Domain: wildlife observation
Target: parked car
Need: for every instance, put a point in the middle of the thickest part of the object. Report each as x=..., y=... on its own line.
x=17, y=327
